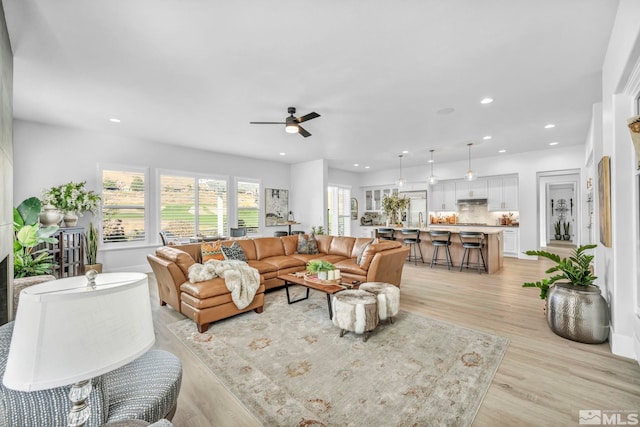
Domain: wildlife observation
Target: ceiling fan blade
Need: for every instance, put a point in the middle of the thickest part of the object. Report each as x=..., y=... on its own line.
x=302, y=131
x=267, y=123
x=306, y=117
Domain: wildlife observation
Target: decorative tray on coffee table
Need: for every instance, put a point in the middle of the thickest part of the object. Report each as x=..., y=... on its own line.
x=314, y=279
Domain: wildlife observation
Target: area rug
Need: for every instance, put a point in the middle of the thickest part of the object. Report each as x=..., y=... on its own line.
x=290, y=367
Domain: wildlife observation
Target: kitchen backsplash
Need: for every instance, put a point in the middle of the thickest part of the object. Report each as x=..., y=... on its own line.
x=478, y=214
x=473, y=214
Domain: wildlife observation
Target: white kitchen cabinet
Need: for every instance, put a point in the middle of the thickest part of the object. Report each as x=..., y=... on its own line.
x=511, y=241
x=373, y=197
x=502, y=193
x=471, y=189
x=442, y=197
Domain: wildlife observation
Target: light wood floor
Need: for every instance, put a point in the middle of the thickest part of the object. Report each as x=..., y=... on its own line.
x=543, y=380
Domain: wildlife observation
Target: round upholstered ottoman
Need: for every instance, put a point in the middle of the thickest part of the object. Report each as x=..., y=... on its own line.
x=355, y=311
x=388, y=298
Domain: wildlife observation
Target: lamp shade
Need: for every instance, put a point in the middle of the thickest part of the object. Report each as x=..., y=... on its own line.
x=67, y=332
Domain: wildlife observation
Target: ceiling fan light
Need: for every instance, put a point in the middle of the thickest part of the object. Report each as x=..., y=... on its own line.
x=291, y=128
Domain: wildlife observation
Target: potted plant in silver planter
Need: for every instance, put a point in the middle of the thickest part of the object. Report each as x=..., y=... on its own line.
x=91, y=249
x=576, y=309
x=558, y=234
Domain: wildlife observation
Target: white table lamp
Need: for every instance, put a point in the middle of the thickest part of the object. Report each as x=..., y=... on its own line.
x=67, y=332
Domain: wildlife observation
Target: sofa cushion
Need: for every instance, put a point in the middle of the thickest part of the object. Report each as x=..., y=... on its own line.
x=307, y=244
x=234, y=252
x=268, y=246
x=264, y=268
x=341, y=245
x=373, y=248
x=180, y=257
x=211, y=251
x=324, y=243
x=282, y=262
x=290, y=244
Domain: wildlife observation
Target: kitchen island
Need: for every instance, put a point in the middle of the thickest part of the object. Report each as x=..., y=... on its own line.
x=492, y=250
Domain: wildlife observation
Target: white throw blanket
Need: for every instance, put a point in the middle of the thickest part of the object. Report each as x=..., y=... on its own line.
x=241, y=280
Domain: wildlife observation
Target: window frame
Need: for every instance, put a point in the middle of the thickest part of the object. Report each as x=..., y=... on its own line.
x=148, y=187
x=257, y=181
x=196, y=177
x=346, y=206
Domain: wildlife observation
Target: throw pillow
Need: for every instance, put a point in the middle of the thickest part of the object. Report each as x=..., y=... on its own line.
x=234, y=252
x=307, y=245
x=364, y=247
x=211, y=251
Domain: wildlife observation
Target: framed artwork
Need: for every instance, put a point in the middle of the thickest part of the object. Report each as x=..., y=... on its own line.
x=276, y=206
x=354, y=208
x=604, y=200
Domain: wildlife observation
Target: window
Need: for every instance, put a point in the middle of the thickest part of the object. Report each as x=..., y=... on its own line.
x=123, y=208
x=339, y=201
x=191, y=205
x=249, y=205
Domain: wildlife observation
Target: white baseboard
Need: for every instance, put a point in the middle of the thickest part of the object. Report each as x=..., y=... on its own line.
x=624, y=345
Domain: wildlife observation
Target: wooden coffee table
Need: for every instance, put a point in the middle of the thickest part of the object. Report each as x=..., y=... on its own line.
x=327, y=288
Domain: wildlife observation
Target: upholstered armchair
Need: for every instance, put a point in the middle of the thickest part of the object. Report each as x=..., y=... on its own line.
x=145, y=389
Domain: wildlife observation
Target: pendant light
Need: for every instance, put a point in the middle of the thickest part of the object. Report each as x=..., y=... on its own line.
x=432, y=179
x=470, y=176
x=400, y=182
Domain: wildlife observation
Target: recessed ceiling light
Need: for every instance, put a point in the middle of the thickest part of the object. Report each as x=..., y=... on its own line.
x=486, y=101
x=486, y=137
x=356, y=164
x=283, y=154
x=430, y=161
x=502, y=151
x=554, y=143
x=549, y=126
x=367, y=167
x=114, y=120
x=405, y=151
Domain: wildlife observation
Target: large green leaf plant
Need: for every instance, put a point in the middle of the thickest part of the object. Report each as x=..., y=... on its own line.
x=575, y=269
x=28, y=234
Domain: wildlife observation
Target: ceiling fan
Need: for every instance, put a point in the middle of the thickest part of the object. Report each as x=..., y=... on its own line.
x=292, y=124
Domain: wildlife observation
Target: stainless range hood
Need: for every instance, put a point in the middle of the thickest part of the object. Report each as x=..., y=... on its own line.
x=471, y=202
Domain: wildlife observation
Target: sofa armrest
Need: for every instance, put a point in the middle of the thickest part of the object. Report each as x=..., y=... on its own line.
x=169, y=278
x=387, y=266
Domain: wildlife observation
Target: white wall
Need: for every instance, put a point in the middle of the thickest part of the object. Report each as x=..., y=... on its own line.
x=309, y=193
x=617, y=267
x=526, y=165
x=49, y=155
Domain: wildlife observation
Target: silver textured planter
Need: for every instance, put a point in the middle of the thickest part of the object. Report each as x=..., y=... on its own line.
x=578, y=313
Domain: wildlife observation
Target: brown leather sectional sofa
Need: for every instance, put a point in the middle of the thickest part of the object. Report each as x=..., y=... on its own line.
x=206, y=302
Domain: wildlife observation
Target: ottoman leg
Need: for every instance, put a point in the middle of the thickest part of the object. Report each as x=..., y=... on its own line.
x=342, y=331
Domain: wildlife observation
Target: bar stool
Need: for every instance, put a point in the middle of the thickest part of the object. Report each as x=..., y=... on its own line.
x=386, y=234
x=412, y=238
x=472, y=240
x=280, y=233
x=441, y=239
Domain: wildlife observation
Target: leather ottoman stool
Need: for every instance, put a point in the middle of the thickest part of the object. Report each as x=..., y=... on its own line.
x=388, y=298
x=355, y=311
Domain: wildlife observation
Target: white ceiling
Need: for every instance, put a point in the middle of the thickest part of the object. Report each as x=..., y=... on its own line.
x=195, y=72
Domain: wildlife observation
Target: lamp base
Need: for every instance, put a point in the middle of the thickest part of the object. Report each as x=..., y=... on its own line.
x=80, y=411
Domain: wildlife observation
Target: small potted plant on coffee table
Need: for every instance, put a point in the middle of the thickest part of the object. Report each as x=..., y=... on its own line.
x=320, y=268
